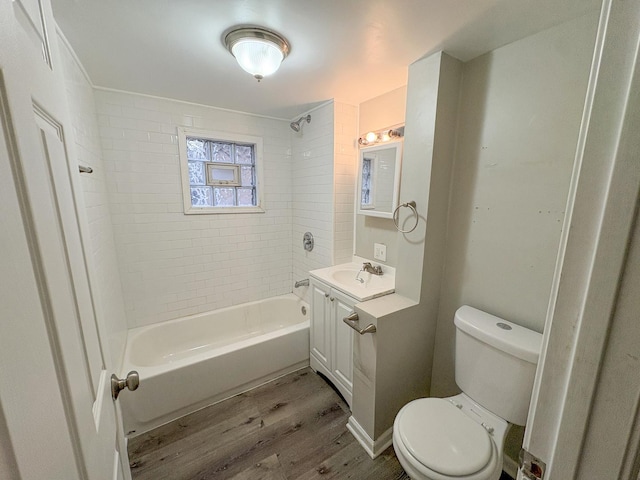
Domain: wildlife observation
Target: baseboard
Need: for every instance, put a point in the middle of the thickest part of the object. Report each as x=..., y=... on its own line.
x=510, y=466
x=372, y=447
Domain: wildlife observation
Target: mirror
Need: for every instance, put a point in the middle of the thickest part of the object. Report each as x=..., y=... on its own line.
x=379, y=179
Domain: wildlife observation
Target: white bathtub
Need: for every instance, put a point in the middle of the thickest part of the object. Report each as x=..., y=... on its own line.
x=189, y=363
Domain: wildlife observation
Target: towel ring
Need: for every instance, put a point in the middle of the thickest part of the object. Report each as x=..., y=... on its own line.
x=412, y=206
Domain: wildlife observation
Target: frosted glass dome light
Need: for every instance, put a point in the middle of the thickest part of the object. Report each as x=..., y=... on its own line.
x=258, y=51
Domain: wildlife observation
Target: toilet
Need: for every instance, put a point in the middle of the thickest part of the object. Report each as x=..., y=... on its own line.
x=462, y=437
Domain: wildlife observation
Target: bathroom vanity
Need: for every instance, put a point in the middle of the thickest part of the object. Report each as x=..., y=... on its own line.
x=331, y=339
x=334, y=293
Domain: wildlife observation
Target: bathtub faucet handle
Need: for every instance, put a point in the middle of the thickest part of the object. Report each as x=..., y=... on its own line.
x=118, y=384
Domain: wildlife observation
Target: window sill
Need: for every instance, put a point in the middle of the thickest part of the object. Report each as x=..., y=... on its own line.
x=222, y=210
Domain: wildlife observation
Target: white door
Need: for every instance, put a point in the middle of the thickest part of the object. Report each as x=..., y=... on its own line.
x=320, y=324
x=584, y=418
x=54, y=388
x=342, y=306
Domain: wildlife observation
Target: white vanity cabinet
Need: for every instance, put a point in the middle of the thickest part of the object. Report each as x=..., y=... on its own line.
x=331, y=338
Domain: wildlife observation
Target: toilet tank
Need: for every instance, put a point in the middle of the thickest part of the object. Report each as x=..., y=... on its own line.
x=496, y=362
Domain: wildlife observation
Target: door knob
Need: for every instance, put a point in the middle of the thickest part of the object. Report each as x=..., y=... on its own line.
x=117, y=384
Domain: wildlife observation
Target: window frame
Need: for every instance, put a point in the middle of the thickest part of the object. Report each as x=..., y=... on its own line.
x=226, y=137
x=235, y=168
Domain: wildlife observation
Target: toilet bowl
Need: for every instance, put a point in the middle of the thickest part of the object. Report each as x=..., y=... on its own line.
x=462, y=437
x=449, y=438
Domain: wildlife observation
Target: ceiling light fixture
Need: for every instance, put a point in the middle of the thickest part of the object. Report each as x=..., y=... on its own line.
x=258, y=51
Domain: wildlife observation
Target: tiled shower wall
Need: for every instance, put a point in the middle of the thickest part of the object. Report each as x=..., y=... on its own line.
x=172, y=264
x=324, y=159
x=312, y=209
x=101, y=250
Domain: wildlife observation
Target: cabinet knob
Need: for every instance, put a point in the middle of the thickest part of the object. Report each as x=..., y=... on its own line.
x=332, y=299
x=326, y=295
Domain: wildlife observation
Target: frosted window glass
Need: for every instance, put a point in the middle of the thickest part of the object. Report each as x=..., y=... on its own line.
x=220, y=173
x=244, y=154
x=197, y=173
x=197, y=149
x=224, y=197
x=221, y=152
x=201, y=197
x=246, y=197
x=247, y=177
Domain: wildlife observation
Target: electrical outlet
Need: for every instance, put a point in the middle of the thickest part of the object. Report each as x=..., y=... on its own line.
x=380, y=252
x=532, y=468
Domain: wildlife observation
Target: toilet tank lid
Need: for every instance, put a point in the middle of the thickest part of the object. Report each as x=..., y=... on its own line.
x=499, y=333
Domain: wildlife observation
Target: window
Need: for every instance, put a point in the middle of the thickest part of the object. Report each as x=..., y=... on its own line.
x=221, y=172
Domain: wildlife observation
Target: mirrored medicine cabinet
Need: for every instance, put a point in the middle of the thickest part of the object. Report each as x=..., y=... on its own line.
x=379, y=179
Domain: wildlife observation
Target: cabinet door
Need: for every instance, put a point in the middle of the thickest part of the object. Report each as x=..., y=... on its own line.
x=320, y=324
x=343, y=340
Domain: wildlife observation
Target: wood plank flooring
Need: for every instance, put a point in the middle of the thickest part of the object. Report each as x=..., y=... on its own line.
x=290, y=429
x=293, y=428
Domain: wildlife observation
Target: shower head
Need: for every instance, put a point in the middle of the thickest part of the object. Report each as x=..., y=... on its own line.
x=296, y=126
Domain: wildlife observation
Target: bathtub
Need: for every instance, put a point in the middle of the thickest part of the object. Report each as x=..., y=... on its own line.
x=189, y=363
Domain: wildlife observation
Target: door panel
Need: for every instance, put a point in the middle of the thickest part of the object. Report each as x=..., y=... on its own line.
x=343, y=357
x=54, y=388
x=590, y=346
x=62, y=207
x=320, y=334
x=75, y=329
x=29, y=396
x=30, y=15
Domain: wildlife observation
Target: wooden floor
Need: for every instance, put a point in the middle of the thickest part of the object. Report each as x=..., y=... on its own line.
x=290, y=429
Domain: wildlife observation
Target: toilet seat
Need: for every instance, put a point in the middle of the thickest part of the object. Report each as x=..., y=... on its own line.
x=461, y=447
x=435, y=440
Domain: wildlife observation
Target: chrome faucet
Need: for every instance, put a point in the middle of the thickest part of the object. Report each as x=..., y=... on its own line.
x=367, y=267
x=302, y=283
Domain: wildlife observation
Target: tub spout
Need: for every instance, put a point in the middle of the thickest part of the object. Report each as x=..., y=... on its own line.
x=302, y=283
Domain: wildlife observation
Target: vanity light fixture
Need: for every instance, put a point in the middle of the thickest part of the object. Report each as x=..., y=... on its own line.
x=372, y=138
x=257, y=50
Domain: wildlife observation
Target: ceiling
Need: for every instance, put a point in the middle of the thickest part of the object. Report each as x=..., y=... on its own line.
x=350, y=50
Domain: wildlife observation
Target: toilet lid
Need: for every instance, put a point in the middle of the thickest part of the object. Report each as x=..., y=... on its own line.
x=443, y=438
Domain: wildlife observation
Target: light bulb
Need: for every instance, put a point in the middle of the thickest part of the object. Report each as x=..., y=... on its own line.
x=257, y=50
x=257, y=57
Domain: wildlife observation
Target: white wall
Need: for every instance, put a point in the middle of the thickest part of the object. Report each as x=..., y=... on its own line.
x=384, y=111
x=345, y=123
x=8, y=467
x=394, y=366
x=172, y=264
x=375, y=114
x=103, y=271
x=519, y=117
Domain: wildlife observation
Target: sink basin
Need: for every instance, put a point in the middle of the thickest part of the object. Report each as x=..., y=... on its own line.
x=358, y=278
x=349, y=279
